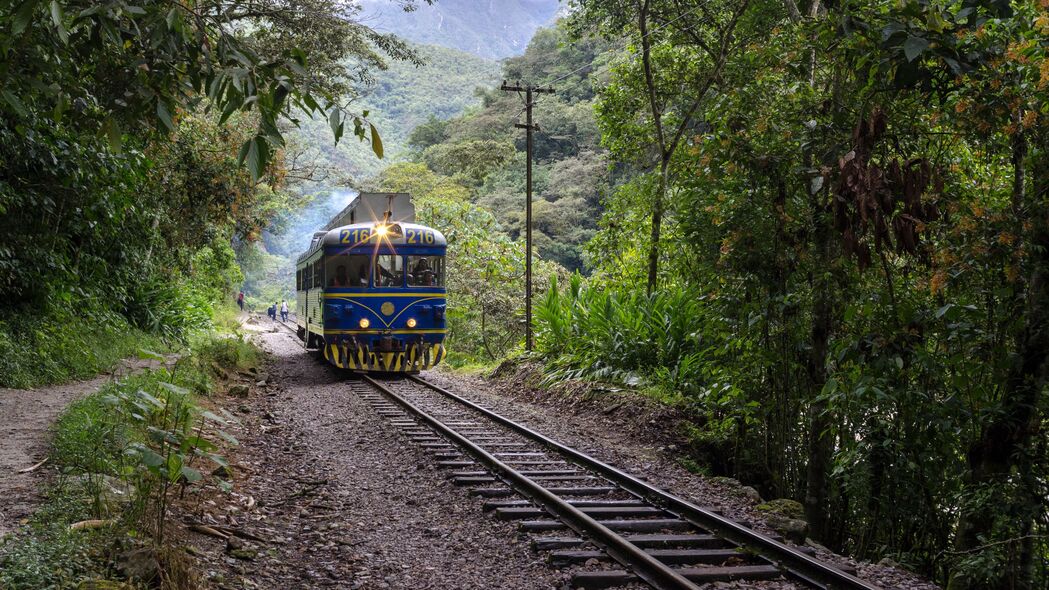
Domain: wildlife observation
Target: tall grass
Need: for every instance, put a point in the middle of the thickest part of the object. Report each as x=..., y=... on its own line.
x=624, y=336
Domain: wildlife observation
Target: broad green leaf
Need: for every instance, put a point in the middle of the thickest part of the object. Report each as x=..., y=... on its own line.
x=165, y=115
x=252, y=154
x=228, y=437
x=335, y=122
x=174, y=388
x=111, y=129
x=255, y=153
x=232, y=104
x=172, y=18
x=23, y=17
x=199, y=443
x=61, y=106
x=191, y=475
x=148, y=397
x=914, y=46
x=14, y=101
x=57, y=17
x=149, y=457
x=218, y=459
x=376, y=141
x=213, y=417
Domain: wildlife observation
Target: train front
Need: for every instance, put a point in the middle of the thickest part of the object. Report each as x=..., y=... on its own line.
x=384, y=297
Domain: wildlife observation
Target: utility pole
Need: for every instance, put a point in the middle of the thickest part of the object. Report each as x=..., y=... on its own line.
x=529, y=128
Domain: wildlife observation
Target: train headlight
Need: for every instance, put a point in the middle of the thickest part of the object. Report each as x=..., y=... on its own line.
x=411, y=322
x=381, y=230
x=364, y=323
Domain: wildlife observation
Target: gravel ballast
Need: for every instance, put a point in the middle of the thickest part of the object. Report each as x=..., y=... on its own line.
x=344, y=500
x=339, y=498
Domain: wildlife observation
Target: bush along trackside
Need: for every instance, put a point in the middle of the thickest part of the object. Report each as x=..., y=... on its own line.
x=124, y=455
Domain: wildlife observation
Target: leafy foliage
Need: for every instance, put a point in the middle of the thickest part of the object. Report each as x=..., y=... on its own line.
x=851, y=226
x=129, y=68
x=122, y=452
x=134, y=143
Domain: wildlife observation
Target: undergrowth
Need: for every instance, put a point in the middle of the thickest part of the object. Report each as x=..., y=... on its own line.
x=468, y=364
x=123, y=453
x=60, y=345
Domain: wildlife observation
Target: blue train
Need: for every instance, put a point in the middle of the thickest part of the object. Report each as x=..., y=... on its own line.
x=370, y=294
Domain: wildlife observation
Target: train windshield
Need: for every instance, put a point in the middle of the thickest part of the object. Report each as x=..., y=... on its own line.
x=389, y=271
x=346, y=270
x=425, y=271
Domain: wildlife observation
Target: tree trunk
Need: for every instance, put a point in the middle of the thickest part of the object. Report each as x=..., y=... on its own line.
x=821, y=441
x=658, y=202
x=658, y=206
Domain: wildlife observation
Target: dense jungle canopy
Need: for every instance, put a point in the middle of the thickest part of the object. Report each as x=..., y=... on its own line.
x=819, y=229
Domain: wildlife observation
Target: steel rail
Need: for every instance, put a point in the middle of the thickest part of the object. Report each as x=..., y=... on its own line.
x=792, y=561
x=646, y=567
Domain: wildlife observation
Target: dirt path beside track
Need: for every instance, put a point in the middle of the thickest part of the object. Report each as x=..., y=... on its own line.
x=26, y=416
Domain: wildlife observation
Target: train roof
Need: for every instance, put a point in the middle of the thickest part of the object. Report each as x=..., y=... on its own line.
x=334, y=237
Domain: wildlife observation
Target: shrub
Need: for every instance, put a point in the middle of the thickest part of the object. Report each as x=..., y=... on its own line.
x=624, y=336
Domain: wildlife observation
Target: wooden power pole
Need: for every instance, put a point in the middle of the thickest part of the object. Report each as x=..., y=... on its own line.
x=529, y=128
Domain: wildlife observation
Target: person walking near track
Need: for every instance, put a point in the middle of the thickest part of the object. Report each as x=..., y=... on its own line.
x=283, y=310
x=240, y=300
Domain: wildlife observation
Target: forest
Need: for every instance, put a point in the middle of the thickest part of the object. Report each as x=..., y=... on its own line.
x=819, y=231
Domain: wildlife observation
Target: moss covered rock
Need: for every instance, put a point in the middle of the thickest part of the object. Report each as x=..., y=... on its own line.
x=785, y=507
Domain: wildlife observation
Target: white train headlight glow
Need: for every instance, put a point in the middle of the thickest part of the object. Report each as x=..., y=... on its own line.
x=364, y=323
x=411, y=322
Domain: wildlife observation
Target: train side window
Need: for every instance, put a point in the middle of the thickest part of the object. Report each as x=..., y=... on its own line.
x=298, y=280
x=318, y=274
x=346, y=270
x=389, y=271
x=425, y=271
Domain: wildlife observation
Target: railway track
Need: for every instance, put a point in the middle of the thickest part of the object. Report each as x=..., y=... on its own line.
x=582, y=511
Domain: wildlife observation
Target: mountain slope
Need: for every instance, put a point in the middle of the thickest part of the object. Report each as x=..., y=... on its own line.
x=489, y=28
x=404, y=97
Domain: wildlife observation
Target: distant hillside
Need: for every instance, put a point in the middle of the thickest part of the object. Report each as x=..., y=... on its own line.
x=489, y=28
x=404, y=97
x=485, y=154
